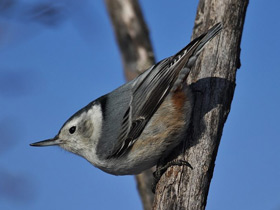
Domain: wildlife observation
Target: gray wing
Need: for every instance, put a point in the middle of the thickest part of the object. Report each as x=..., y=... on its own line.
x=150, y=91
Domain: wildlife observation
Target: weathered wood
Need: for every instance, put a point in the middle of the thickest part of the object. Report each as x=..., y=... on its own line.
x=135, y=46
x=213, y=83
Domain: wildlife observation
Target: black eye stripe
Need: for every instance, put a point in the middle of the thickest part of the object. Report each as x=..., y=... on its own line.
x=72, y=129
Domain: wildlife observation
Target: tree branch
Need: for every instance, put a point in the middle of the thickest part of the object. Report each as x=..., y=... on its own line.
x=213, y=84
x=132, y=36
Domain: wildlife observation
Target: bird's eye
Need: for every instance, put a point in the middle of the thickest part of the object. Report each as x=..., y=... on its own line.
x=72, y=129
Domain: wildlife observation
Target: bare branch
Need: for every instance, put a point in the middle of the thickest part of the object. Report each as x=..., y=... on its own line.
x=132, y=35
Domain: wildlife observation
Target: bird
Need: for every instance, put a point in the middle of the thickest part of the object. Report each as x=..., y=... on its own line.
x=138, y=124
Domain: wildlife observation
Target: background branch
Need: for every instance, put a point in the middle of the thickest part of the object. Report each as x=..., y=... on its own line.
x=132, y=35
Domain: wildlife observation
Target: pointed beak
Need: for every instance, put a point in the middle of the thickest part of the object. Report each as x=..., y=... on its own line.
x=48, y=142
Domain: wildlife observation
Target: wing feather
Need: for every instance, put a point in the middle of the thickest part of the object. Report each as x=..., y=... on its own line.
x=149, y=94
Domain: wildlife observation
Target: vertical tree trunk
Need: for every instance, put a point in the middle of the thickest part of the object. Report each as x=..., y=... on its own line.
x=137, y=55
x=213, y=83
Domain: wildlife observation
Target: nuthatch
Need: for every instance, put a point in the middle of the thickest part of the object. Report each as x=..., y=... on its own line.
x=131, y=128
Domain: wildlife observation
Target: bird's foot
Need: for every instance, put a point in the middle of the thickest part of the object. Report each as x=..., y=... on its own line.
x=161, y=169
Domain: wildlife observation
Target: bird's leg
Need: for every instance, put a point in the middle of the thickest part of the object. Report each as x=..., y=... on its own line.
x=162, y=168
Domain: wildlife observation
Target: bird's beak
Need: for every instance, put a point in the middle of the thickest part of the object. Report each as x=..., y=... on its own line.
x=48, y=142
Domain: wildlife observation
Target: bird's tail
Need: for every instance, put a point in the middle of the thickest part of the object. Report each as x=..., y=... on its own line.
x=185, y=58
x=207, y=37
x=196, y=45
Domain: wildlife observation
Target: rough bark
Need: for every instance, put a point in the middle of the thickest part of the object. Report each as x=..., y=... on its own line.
x=213, y=83
x=132, y=36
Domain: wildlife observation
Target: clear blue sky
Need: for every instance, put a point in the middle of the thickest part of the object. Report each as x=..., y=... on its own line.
x=48, y=73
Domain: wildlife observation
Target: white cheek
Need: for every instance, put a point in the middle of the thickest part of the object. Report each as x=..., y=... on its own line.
x=95, y=115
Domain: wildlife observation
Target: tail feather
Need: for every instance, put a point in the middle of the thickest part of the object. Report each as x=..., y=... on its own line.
x=193, y=49
x=198, y=43
x=207, y=37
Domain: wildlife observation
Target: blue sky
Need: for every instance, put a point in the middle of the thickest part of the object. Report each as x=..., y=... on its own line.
x=48, y=73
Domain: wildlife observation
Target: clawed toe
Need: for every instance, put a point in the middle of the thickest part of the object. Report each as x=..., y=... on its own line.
x=160, y=170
